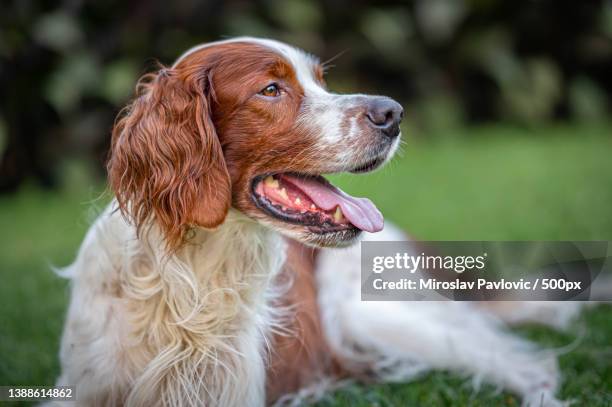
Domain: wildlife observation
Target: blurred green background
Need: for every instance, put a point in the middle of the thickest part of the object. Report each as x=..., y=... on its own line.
x=507, y=137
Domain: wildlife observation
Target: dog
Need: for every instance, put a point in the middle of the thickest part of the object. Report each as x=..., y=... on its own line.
x=226, y=270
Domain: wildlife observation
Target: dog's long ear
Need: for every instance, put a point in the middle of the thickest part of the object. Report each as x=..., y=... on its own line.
x=166, y=162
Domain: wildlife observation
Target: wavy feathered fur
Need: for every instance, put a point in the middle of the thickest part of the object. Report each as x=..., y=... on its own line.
x=187, y=329
x=166, y=161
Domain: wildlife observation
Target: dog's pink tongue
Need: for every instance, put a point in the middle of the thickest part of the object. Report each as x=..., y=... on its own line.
x=361, y=212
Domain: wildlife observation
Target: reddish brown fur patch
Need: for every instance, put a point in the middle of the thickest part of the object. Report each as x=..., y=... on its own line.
x=166, y=161
x=258, y=135
x=299, y=359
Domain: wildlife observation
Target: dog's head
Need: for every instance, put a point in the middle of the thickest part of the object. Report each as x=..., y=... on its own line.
x=249, y=123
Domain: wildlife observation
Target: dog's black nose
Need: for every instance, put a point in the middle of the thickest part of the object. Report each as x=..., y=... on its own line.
x=385, y=114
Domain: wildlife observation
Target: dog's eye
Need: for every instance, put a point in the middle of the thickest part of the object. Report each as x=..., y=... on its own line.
x=271, y=90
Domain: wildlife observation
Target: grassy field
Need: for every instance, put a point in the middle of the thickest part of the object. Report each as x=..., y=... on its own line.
x=500, y=183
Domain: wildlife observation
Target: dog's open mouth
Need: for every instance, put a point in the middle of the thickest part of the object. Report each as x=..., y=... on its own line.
x=313, y=202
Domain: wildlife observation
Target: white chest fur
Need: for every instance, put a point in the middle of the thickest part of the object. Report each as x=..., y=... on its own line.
x=184, y=329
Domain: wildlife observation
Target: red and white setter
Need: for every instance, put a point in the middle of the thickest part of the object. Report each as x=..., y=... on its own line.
x=212, y=279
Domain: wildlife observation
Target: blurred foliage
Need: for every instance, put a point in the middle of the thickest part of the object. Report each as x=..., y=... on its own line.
x=67, y=67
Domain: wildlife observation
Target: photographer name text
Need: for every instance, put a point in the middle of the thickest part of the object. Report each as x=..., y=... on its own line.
x=478, y=284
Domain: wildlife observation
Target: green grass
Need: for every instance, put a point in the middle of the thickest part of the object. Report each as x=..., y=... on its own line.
x=39, y=230
x=499, y=183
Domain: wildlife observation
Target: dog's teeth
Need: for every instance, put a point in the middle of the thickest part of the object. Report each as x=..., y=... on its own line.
x=313, y=207
x=338, y=215
x=271, y=182
x=283, y=193
x=298, y=201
